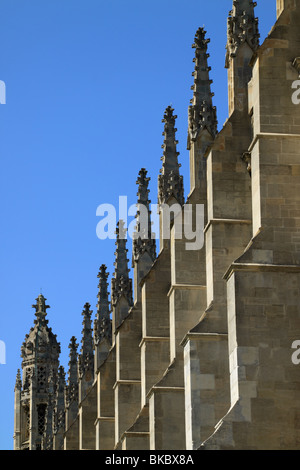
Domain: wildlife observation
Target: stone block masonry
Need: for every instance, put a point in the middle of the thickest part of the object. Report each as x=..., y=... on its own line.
x=198, y=352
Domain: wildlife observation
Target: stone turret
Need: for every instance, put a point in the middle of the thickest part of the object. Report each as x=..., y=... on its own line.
x=40, y=359
x=242, y=44
x=144, y=243
x=102, y=322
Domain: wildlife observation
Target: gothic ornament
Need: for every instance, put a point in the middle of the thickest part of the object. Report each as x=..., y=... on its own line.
x=170, y=182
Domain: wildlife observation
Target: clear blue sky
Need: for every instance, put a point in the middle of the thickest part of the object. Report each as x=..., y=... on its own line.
x=87, y=83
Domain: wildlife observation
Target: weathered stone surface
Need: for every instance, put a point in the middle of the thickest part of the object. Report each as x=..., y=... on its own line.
x=204, y=356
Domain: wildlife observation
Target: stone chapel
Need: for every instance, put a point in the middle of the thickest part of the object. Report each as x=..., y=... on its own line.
x=196, y=351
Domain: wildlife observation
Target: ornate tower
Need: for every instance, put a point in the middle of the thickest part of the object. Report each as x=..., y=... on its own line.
x=33, y=396
x=144, y=243
x=242, y=44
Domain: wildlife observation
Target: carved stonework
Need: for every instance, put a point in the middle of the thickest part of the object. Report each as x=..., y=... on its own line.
x=121, y=284
x=246, y=157
x=86, y=357
x=242, y=27
x=59, y=405
x=40, y=361
x=170, y=182
x=144, y=240
x=72, y=386
x=102, y=322
x=40, y=344
x=202, y=113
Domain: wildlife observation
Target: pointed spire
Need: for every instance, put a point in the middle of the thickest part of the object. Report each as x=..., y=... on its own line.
x=121, y=284
x=170, y=183
x=40, y=309
x=86, y=357
x=102, y=323
x=72, y=387
x=242, y=26
x=202, y=113
x=143, y=241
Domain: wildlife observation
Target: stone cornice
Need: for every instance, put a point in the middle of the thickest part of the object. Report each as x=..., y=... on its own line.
x=185, y=287
x=271, y=135
x=226, y=221
x=153, y=339
x=157, y=388
x=203, y=336
x=126, y=382
x=257, y=267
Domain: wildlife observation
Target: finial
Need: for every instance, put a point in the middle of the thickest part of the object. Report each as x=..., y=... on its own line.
x=61, y=378
x=41, y=308
x=73, y=350
x=86, y=357
x=103, y=302
x=242, y=27
x=202, y=113
x=72, y=387
x=73, y=355
x=121, y=284
x=143, y=239
x=102, y=323
x=143, y=191
x=170, y=162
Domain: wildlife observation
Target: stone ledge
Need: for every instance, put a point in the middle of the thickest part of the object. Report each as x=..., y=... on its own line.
x=153, y=339
x=200, y=336
x=164, y=389
x=271, y=135
x=126, y=382
x=226, y=221
x=256, y=267
x=104, y=418
x=185, y=287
